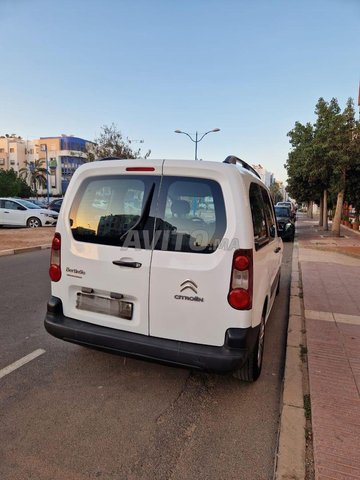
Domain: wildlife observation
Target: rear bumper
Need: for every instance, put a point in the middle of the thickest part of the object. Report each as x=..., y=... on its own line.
x=237, y=345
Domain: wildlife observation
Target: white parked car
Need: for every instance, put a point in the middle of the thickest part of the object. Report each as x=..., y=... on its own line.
x=140, y=268
x=22, y=213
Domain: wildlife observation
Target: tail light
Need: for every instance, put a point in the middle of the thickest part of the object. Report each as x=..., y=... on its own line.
x=55, y=259
x=241, y=284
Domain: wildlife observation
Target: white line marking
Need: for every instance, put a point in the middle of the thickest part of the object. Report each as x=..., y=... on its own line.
x=21, y=362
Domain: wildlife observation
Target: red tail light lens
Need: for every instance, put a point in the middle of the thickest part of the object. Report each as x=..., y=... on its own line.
x=239, y=299
x=241, y=284
x=241, y=263
x=55, y=259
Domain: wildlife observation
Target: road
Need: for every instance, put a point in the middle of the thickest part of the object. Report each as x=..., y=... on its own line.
x=73, y=414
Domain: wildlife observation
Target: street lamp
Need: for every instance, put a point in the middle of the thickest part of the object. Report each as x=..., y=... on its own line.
x=197, y=140
x=43, y=148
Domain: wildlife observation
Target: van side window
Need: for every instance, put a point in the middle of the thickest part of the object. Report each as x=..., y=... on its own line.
x=269, y=213
x=261, y=235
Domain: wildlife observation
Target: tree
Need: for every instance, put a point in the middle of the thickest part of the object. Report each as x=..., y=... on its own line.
x=302, y=183
x=110, y=143
x=276, y=192
x=322, y=155
x=352, y=193
x=346, y=153
x=11, y=185
x=35, y=174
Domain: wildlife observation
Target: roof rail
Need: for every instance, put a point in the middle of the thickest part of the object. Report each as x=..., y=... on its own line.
x=108, y=158
x=234, y=160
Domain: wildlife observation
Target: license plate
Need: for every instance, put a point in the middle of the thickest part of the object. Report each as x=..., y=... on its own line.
x=105, y=305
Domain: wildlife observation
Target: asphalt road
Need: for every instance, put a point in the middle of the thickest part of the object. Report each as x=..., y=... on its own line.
x=75, y=414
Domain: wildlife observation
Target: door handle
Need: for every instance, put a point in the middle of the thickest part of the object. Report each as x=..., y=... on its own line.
x=122, y=263
x=277, y=250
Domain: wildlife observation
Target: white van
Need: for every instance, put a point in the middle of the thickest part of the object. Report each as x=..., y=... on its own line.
x=173, y=261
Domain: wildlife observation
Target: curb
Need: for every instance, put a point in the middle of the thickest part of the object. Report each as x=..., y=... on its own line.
x=291, y=447
x=16, y=251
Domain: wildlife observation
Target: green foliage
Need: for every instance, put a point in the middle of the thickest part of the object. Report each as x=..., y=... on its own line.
x=35, y=174
x=276, y=192
x=11, y=185
x=301, y=182
x=110, y=143
x=323, y=153
x=352, y=193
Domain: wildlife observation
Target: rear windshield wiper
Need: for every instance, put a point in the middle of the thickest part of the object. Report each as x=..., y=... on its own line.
x=144, y=215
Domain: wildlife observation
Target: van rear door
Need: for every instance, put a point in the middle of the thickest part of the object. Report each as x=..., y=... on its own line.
x=107, y=233
x=190, y=272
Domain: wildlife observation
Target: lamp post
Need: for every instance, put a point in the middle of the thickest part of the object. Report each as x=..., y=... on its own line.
x=43, y=148
x=197, y=140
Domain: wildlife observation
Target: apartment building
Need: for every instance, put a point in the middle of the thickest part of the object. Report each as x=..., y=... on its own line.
x=12, y=152
x=63, y=155
x=266, y=176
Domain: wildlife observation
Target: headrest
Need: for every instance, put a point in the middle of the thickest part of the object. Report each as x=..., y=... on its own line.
x=180, y=207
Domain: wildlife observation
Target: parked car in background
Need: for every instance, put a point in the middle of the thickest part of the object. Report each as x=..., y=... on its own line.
x=18, y=212
x=291, y=206
x=41, y=203
x=286, y=226
x=55, y=204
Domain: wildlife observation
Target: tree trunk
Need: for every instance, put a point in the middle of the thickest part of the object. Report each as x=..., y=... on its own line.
x=325, y=212
x=311, y=209
x=321, y=216
x=337, y=217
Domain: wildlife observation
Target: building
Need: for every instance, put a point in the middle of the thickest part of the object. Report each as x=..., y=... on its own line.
x=12, y=152
x=283, y=191
x=266, y=176
x=63, y=155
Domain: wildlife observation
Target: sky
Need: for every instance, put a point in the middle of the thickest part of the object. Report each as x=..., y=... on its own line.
x=249, y=67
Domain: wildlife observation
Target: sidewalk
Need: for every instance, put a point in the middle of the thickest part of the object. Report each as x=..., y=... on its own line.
x=18, y=240
x=330, y=274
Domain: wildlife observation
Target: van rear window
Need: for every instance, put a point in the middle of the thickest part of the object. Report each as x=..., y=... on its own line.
x=107, y=210
x=185, y=214
x=191, y=215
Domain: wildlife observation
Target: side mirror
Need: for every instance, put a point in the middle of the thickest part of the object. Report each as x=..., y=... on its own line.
x=20, y=207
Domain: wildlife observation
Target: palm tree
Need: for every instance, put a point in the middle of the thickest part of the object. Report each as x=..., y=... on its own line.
x=35, y=174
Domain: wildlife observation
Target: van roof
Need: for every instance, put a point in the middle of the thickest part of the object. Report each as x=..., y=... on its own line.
x=231, y=159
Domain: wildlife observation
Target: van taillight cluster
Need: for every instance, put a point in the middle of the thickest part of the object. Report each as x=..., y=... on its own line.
x=55, y=259
x=241, y=285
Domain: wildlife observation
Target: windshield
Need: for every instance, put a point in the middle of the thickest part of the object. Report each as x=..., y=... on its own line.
x=27, y=204
x=282, y=212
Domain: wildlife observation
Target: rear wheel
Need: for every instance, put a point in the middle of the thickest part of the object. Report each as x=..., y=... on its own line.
x=33, y=222
x=251, y=369
x=278, y=286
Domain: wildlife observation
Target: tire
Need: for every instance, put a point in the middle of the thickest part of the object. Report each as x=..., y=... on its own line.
x=251, y=369
x=33, y=222
x=278, y=287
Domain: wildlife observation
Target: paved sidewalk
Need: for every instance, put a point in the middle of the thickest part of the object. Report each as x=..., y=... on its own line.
x=18, y=240
x=330, y=273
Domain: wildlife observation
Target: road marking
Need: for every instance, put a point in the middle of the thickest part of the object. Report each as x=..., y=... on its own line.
x=21, y=362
